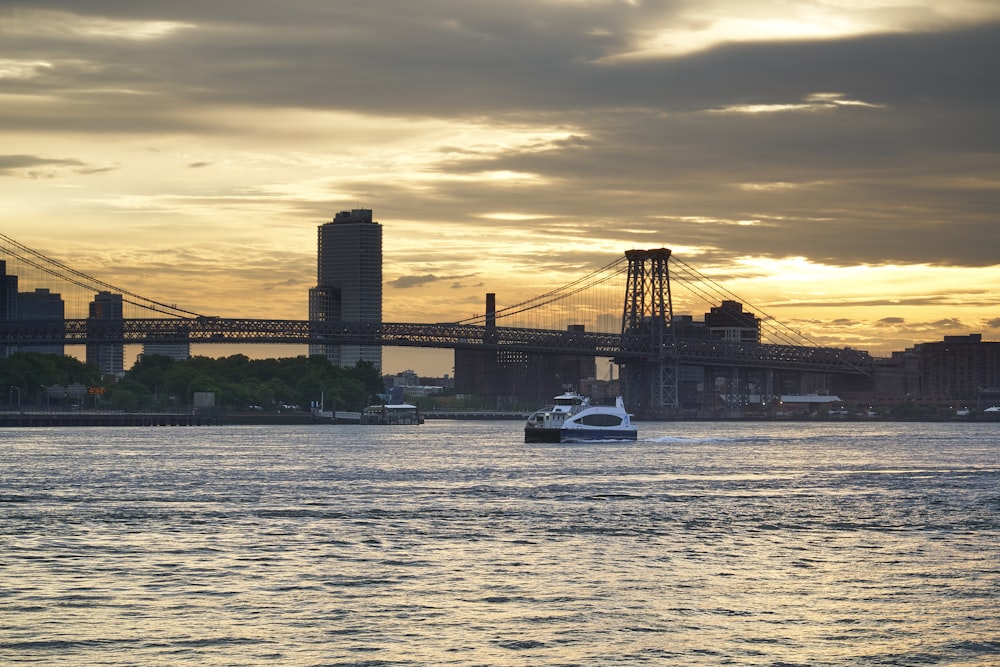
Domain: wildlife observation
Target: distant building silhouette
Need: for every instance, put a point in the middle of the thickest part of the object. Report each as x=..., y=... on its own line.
x=38, y=305
x=106, y=318
x=41, y=305
x=8, y=293
x=348, y=282
x=729, y=321
x=177, y=351
x=8, y=302
x=964, y=368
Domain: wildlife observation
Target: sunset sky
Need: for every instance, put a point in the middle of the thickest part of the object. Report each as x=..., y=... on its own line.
x=835, y=163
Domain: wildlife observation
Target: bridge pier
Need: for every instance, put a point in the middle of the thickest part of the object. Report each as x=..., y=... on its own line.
x=650, y=385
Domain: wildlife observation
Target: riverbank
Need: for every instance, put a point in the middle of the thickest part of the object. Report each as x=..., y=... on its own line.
x=110, y=419
x=83, y=418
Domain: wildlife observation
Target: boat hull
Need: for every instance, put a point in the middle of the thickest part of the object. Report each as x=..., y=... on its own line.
x=576, y=435
x=542, y=435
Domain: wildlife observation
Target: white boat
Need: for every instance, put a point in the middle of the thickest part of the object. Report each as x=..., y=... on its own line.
x=574, y=419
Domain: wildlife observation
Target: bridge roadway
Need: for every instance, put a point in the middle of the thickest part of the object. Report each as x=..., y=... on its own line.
x=688, y=351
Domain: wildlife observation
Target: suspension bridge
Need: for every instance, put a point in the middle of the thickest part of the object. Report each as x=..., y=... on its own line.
x=622, y=311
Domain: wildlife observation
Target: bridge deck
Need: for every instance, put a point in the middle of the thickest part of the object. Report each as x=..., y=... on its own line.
x=202, y=330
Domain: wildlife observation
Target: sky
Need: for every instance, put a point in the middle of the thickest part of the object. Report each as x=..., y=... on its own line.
x=835, y=163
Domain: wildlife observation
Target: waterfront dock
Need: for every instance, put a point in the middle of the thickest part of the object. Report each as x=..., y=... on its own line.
x=105, y=418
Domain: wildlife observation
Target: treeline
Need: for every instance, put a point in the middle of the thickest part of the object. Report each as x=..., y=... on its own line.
x=26, y=376
x=238, y=382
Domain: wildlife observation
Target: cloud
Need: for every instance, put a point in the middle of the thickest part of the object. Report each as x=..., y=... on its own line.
x=54, y=24
x=524, y=142
x=35, y=167
x=407, y=282
x=948, y=323
x=9, y=163
x=847, y=302
x=11, y=68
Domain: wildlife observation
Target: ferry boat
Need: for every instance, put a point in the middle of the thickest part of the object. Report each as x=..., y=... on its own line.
x=392, y=415
x=574, y=419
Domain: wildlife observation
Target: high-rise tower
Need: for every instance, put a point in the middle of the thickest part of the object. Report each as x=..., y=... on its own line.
x=41, y=304
x=8, y=303
x=106, y=321
x=348, y=282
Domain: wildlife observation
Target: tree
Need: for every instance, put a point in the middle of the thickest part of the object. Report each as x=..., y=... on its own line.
x=239, y=382
x=124, y=400
x=29, y=372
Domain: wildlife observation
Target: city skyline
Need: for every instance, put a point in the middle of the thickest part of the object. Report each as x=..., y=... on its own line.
x=833, y=164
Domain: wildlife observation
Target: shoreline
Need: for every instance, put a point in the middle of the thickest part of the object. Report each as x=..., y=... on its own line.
x=113, y=419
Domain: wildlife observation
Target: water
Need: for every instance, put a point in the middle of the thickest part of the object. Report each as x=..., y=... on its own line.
x=454, y=543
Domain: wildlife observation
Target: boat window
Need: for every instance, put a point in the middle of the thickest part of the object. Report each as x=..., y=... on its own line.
x=600, y=419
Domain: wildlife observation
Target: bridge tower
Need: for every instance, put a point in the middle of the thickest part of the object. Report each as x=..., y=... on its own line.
x=649, y=384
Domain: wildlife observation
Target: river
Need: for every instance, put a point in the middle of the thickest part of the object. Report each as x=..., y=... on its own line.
x=454, y=543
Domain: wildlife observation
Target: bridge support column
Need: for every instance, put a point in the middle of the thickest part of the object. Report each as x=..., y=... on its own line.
x=726, y=391
x=649, y=384
x=737, y=392
x=708, y=392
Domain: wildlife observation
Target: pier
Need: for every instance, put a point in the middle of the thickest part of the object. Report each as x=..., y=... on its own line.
x=108, y=418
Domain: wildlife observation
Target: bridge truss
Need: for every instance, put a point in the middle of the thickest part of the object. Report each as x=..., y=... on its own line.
x=214, y=330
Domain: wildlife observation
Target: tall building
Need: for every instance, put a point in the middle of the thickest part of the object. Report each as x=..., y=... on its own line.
x=36, y=306
x=8, y=303
x=41, y=305
x=8, y=293
x=106, y=321
x=348, y=282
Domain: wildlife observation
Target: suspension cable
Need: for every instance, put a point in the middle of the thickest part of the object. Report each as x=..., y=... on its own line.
x=86, y=281
x=557, y=294
x=769, y=318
